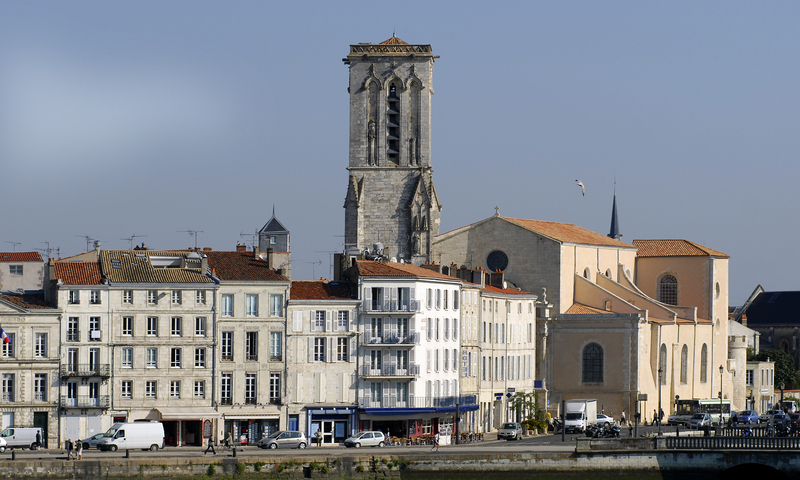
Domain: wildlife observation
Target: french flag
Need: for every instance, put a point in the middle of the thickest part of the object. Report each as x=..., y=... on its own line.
x=4, y=336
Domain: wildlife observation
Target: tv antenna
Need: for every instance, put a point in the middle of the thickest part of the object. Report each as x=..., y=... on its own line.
x=14, y=245
x=251, y=236
x=130, y=239
x=47, y=251
x=192, y=233
x=313, y=271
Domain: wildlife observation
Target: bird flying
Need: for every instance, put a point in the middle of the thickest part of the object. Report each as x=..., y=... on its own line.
x=583, y=189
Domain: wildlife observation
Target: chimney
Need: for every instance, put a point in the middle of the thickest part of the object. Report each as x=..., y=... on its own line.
x=496, y=279
x=241, y=248
x=203, y=265
x=270, y=258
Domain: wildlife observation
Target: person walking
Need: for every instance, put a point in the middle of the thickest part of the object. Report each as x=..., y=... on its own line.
x=435, y=442
x=228, y=441
x=69, y=449
x=79, y=449
x=39, y=438
x=210, y=446
x=622, y=420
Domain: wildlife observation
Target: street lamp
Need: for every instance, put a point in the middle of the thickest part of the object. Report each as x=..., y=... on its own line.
x=721, y=369
x=658, y=414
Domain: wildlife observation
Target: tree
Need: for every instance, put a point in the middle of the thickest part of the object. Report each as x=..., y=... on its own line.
x=785, y=371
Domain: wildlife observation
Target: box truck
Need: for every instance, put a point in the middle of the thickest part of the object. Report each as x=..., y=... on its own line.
x=579, y=413
x=147, y=435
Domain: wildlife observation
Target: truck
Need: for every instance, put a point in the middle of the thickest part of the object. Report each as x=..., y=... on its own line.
x=579, y=413
x=147, y=435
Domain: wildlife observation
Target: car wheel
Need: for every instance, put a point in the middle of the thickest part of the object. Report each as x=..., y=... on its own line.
x=86, y=446
x=35, y=446
x=381, y=445
x=357, y=445
x=154, y=448
x=3, y=449
x=273, y=446
x=113, y=448
x=301, y=446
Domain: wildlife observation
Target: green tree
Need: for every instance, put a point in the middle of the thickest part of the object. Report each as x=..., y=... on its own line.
x=785, y=370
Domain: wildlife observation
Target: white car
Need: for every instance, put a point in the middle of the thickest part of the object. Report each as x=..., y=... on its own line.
x=603, y=419
x=3, y=445
x=366, y=439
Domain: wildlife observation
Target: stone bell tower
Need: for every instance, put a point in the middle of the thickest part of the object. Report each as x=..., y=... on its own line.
x=390, y=194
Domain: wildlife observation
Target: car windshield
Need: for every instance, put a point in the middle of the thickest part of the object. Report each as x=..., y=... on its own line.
x=574, y=416
x=698, y=416
x=110, y=432
x=509, y=425
x=275, y=434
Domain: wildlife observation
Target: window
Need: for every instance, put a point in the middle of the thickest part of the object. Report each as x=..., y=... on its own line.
x=343, y=321
x=436, y=360
x=668, y=290
x=39, y=387
x=319, y=321
x=592, y=363
x=447, y=329
x=749, y=377
x=227, y=305
x=94, y=329
x=199, y=389
x=8, y=387
x=275, y=346
x=455, y=329
x=445, y=303
x=250, y=389
x=200, y=326
x=429, y=298
x=40, y=345
x=176, y=297
x=455, y=300
x=227, y=346
x=94, y=297
x=275, y=388
x=436, y=331
x=15, y=269
x=127, y=358
x=152, y=326
x=127, y=326
x=127, y=296
x=402, y=328
x=226, y=389
x=276, y=305
x=200, y=297
x=152, y=358
x=176, y=326
x=376, y=392
x=438, y=298
x=251, y=303
x=430, y=328
x=175, y=358
x=401, y=360
x=73, y=330
x=684, y=363
x=319, y=349
x=150, y=388
x=403, y=299
x=455, y=359
x=72, y=360
x=94, y=358
x=74, y=297
x=662, y=364
x=199, y=358
x=376, y=299
x=126, y=389
x=152, y=297
x=704, y=364
x=446, y=359
x=251, y=346
x=175, y=389
x=376, y=328
x=342, y=349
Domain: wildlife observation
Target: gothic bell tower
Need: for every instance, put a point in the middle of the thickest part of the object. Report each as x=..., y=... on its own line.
x=390, y=194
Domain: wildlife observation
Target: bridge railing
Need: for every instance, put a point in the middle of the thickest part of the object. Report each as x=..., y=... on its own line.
x=733, y=443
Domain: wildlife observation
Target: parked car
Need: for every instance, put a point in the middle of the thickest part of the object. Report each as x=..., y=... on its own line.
x=366, y=439
x=748, y=416
x=700, y=420
x=91, y=442
x=603, y=419
x=283, y=439
x=21, y=437
x=794, y=418
x=778, y=418
x=510, y=431
x=3, y=444
x=767, y=416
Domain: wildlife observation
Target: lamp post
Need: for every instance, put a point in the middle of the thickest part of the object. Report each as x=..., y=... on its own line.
x=658, y=413
x=721, y=370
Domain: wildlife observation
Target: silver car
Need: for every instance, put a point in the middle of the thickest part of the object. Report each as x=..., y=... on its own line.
x=91, y=442
x=510, y=431
x=366, y=439
x=700, y=420
x=283, y=439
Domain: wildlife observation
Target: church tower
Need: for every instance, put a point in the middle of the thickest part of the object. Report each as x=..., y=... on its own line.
x=390, y=198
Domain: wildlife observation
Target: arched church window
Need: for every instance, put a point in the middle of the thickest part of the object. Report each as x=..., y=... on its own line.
x=684, y=363
x=662, y=364
x=668, y=290
x=593, y=363
x=586, y=273
x=393, y=125
x=424, y=222
x=704, y=364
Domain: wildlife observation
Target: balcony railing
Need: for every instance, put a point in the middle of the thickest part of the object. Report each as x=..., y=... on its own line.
x=411, y=370
x=251, y=357
x=86, y=370
x=392, y=339
x=73, y=336
x=392, y=306
x=392, y=401
x=85, y=401
x=276, y=358
x=226, y=401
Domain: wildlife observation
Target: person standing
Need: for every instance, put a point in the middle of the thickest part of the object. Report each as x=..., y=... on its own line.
x=210, y=446
x=39, y=438
x=69, y=449
x=622, y=420
x=79, y=449
x=318, y=437
x=435, y=442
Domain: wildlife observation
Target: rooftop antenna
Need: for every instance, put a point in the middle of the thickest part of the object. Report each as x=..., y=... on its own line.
x=192, y=233
x=14, y=245
x=89, y=241
x=47, y=251
x=313, y=271
x=130, y=239
x=252, y=237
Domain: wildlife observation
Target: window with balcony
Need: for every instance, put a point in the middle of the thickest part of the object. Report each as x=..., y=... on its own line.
x=73, y=329
x=376, y=360
x=376, y=330
x=226, y=341
x=250, y=388
x=40, y=345
x=226, y=389
x=342, y=347
x=39, y=387
x=251, y=346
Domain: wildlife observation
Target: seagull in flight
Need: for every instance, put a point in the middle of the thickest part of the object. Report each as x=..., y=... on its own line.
x=583, y=188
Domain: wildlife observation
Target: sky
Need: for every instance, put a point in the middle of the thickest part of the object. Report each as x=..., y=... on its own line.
x=148, y=120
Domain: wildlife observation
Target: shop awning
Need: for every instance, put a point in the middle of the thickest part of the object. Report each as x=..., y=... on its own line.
x=196, y=413
x=251, y=417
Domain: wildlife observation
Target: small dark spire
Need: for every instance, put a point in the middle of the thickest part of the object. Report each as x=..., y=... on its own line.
x=614, y=233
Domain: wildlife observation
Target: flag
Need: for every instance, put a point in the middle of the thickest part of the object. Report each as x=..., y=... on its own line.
x=4, y=336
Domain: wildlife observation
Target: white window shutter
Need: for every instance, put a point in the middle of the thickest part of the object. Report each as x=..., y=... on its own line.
x=297, y=321
x=353, y=349
x=328, y=319
x=385, y=296
x=310, y=349
x=368, y=296
x=311, y=317
x=329, y=348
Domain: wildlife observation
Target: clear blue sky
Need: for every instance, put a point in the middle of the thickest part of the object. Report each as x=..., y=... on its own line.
x=152, y=118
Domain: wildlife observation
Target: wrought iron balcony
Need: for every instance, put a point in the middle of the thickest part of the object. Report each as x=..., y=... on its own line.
x=102, y=370
x=410, y=370
x=85, y=401
x=392, y=306
x=392, y=401
x=393, y=339
x=73, y=336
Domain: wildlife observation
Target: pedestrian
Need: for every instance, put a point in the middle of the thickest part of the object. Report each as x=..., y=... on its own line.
x=229, y=441
x=79, y=449
x=39, y=438
x=318, y=437
x=435, y=442
x=660, y=416
x=210, y=446
x=655, y=416
x=630, y=429
x=622, y=420
x=69, y=449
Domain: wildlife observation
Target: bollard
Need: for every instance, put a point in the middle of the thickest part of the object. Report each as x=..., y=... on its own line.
x=127, y=454
x=234, y=451
x=13, y=455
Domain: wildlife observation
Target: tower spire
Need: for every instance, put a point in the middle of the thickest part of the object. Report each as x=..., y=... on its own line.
x=614, y=233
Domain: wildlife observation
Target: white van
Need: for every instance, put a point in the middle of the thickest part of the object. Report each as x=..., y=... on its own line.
x=148, y=435
x=21, y=437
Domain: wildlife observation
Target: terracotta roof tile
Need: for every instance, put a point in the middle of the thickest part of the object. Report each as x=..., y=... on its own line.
x=134, y=266
x=242, y=266
x=370, y=268
x=393, y=41
x=78, y=273
x=27, y=301
x=20, y=257
x=567, y=232
x=581, y=309
x=319, y=290
x=674, y=248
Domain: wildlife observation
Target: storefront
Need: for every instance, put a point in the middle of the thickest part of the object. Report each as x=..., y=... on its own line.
x=248, y=429
x=335, y=423
x=188, y=426
x=415, y=425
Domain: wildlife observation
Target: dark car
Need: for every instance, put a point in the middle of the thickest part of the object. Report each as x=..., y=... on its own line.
x=91, y=442
x=747, y=416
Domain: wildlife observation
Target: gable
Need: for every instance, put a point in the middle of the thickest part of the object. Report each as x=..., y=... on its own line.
x=774, y=308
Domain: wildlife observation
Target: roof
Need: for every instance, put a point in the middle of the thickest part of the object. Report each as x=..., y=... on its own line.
x=371, y=268
x=774, y=308
x=242, y=266
x=393, y=41
x=581, y=309
x=319, y=290
x=504, y=291
x=674, y=248
x=135, y=266
x=27, y=301
x=273, y=225
x=20, y=257
x=78, y=273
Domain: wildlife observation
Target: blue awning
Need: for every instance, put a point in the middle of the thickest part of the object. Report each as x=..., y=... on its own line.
x=417, y=411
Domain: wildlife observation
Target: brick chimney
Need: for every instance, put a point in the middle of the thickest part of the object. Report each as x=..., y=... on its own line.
x=241, y=248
